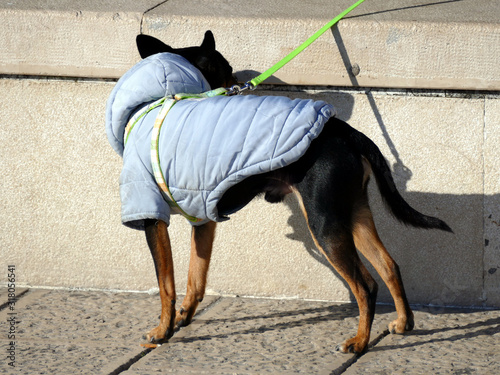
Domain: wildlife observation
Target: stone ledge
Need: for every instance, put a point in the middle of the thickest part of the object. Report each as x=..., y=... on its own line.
x=70, y=38
x=449, y=44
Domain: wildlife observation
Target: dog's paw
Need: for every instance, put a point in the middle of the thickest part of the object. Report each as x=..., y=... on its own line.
x=401, y=325
x=353, y=345
x=181, y=319
x=158, y=335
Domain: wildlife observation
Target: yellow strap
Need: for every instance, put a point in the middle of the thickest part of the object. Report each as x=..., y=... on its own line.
x=138, y=115
x=167, y=104
x=155, y=161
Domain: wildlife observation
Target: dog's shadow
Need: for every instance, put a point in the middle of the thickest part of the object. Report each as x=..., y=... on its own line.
x=303, y=317
x=291, y=319
x=344, y=103
x=435, y=336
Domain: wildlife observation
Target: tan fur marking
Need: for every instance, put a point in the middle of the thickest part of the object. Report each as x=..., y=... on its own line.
x=367, y=170
x=369, y=244
x=202, y=239
x=166, y=283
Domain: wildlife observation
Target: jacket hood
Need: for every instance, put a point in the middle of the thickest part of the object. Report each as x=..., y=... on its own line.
x=153, y=78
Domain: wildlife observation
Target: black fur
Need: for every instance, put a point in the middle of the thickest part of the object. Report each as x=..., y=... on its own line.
x=335, y=156
x=206, y=58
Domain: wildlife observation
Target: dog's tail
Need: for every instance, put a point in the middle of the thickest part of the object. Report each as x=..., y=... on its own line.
x=393, y=199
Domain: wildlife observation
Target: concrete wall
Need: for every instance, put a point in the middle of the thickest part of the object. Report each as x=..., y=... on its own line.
x=59, y=209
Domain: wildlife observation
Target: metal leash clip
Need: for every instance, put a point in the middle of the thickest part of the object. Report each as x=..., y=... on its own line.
x=238, y=90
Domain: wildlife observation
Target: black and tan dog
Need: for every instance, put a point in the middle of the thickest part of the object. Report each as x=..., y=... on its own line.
x=330, y=181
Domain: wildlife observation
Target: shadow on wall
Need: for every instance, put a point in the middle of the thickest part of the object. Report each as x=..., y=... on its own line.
x=430, y=4
x=398, y=168
x=439, y=268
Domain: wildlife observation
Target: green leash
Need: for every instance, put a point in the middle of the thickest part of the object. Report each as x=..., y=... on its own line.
x=268, y=73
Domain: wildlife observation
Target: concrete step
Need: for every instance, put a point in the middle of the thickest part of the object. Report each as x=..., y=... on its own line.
x=450, y=44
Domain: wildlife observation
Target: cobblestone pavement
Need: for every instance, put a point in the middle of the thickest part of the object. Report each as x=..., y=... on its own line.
x=81, y=332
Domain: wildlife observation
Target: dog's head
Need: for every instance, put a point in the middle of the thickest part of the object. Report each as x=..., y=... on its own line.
x=206, y=58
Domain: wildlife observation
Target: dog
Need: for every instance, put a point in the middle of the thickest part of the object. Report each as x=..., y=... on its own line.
x=330, y=182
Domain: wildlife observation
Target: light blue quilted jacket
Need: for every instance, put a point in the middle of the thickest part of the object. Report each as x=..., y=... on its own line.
x=205, y=145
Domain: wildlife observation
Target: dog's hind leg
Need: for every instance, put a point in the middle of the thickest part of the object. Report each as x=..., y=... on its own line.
x=334, y=238
x=336, y=243
x=159, y=245
x=369, y=244
x=202, y=239
x=331, y=186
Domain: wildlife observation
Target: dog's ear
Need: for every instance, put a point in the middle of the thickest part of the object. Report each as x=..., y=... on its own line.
x=208, y=41
x=148, y=45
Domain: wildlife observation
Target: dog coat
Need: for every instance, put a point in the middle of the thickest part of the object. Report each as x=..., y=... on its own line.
x=205, y=147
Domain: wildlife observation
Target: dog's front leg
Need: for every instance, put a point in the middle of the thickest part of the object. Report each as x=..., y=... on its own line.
x=202, y=239
x=159, y=245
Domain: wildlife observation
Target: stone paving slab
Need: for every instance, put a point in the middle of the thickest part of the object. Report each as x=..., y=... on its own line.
x=446, y=342
x=82, y=332
x=63, y=332
x=4, y=294
x=258, y=336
